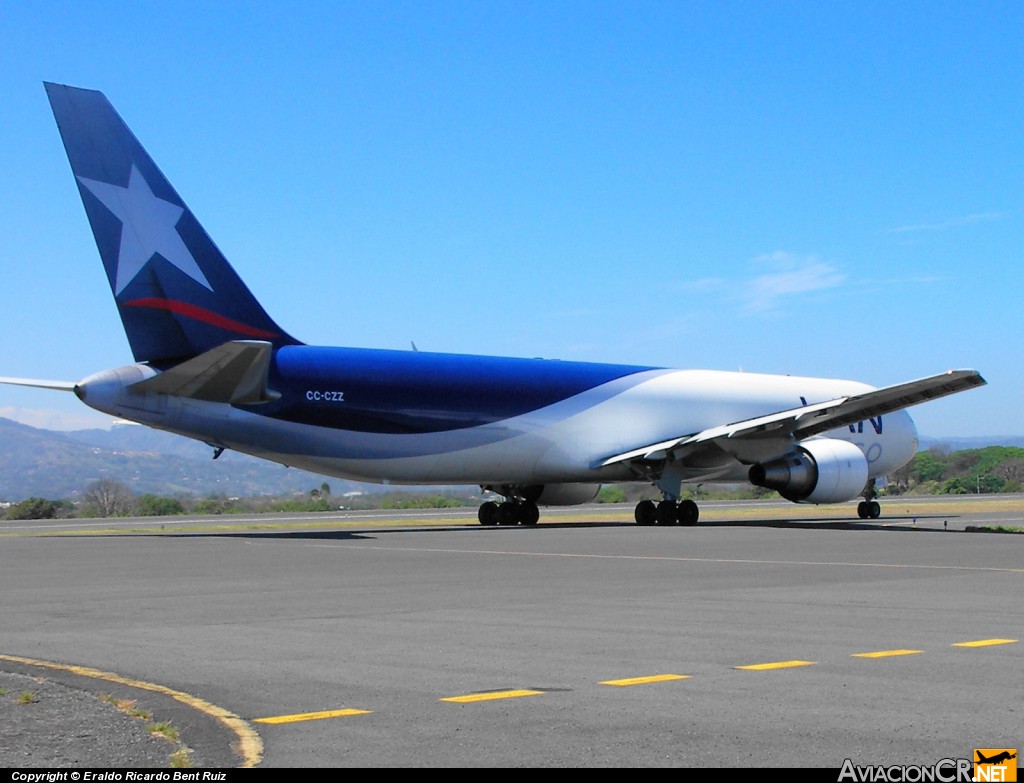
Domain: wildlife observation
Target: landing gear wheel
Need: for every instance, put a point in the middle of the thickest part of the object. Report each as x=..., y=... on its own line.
x=488, y=513
x=529, y=514
x=666, y=512
x=869, y=509
x=508, y=514
x=688, y=513
x=646, y=513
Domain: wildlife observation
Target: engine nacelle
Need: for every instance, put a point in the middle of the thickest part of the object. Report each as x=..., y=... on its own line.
x=560, y=494
x=823, y=470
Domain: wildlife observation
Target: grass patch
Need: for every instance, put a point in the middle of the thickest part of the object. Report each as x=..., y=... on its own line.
x=27, y=697
x=993, y=529
x=127, y=706
x=163, y=729
x=181, y=758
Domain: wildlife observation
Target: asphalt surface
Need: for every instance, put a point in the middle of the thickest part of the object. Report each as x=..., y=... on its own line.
x=587, y=641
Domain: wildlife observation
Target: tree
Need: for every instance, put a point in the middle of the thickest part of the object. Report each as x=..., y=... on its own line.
x=929, y=466
x=611, y=494
x=1012, y=471
x=107, y=498
x=157, y=506
x=39, y=508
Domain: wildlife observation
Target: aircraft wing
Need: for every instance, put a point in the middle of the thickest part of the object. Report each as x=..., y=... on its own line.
x=763, y=434
x=235, y=373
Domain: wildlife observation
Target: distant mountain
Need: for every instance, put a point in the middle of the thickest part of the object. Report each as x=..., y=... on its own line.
x=135, y=437
x=963, y=444
x=55, y=465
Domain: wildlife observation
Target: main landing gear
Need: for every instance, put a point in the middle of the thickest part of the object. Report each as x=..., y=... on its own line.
x=868, y=508
x=511, y=512
x=667, y=512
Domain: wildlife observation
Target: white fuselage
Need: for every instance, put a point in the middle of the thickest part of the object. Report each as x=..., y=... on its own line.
x=560, y=443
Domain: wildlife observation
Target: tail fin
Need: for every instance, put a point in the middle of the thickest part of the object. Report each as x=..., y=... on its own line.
x=177, y=295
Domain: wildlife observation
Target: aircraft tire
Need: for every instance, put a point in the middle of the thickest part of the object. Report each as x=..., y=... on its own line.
x=688, y=513
x=508, y=514
x=645, y=513
x=667, y=512
x=488, y=513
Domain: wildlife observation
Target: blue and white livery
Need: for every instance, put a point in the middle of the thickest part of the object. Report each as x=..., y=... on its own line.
x=211, y=364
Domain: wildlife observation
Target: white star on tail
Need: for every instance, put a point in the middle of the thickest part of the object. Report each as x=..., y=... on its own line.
x=149, y=227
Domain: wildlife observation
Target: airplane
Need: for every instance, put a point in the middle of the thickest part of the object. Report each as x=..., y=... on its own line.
x=996, y=759
x=212, y=365
x=1005, y=755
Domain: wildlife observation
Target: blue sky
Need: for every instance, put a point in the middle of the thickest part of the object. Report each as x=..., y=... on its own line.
x=828, y=189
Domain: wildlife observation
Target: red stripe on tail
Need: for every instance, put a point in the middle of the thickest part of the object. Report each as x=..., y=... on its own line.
x=199, y=314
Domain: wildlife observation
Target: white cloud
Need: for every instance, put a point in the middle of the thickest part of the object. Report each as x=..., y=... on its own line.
x=790, y=277
x=49, y=419
x=980, y=217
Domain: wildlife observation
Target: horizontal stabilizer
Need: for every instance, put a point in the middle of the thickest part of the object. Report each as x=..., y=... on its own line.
x=235, y=373
x=55, y=385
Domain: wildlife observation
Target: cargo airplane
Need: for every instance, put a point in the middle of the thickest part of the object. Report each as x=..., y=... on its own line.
x=212, y=365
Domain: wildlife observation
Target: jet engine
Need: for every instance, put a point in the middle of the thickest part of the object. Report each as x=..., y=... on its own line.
x=821, y=470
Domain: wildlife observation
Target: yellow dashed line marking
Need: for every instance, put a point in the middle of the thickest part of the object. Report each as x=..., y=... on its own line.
x=301, y=716
x=885, y=653
x=757, y=667
x=984, y=643
x=250, y=746
x=646, y=680
x=473, y=697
